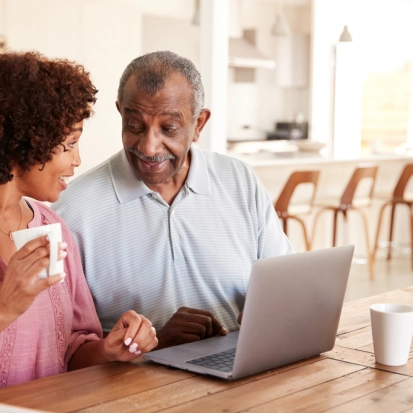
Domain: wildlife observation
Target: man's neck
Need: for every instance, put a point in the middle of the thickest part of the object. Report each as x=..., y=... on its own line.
x=168, y=190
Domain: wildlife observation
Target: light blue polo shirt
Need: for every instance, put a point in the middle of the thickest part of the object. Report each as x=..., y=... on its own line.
x=140, y=253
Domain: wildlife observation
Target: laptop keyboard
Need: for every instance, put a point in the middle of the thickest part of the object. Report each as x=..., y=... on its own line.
x=219, y=361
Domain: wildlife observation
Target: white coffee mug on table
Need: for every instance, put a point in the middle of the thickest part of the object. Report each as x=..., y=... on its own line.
x=392, y=330
x=54, y=232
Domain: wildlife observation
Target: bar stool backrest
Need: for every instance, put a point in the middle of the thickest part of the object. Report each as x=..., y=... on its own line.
x=360, y=174
x=405, y=176
x=295, y=179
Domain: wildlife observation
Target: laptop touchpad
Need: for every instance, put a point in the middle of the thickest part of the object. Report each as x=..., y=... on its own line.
x=213, y=345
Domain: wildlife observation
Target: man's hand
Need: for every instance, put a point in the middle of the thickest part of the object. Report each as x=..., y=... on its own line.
x=188, y=325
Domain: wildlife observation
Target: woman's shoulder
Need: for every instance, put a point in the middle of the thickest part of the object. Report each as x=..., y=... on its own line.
x=44, y=211
x=44, y=215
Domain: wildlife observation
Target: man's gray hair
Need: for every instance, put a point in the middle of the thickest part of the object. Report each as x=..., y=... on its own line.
x=153, y=69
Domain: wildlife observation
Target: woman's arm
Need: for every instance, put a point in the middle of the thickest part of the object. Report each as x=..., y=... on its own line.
x=131, y=336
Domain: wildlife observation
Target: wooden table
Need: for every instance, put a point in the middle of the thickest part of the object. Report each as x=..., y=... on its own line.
x=345, y=379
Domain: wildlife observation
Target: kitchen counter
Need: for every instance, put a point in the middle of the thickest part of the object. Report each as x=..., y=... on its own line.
x=299, y=158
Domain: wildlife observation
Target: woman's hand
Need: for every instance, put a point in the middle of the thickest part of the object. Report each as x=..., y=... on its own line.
x=131, y=336
x=21, y=283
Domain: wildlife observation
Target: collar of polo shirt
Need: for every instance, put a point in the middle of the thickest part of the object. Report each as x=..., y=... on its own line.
x=128, y=186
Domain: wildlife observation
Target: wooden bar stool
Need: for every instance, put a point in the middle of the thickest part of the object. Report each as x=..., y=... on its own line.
x=398, y=198
x=286, y=210
x=351, y=201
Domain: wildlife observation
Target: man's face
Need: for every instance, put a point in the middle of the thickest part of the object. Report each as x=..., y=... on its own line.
x=157, y=131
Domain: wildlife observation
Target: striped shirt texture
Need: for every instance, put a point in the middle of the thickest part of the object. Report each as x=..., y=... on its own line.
x=140, y=253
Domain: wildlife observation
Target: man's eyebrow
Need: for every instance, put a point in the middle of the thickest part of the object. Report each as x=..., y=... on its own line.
x=131, y=110
x=174, y=114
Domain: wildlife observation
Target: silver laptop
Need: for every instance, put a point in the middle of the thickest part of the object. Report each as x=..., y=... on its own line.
x=292, y=310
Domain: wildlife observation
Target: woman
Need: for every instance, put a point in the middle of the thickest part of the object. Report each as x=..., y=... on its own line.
x=47, y=326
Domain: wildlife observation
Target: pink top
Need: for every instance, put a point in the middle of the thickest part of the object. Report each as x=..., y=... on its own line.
x=42, y=340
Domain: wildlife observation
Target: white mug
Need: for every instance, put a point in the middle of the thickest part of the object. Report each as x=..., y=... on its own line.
x=392, y=330
x=54, y=232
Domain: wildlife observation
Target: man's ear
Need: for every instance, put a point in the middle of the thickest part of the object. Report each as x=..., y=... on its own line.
x=201, y=122
x=118, y=106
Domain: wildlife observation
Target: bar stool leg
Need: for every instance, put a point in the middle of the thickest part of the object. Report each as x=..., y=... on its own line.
x=393, y=207
x=284, y=221
x=315, y=224
x=376, y=241
x=411, y=232
x=335, y=227
x=306, y=240
x=345, y=228
x=369, y=254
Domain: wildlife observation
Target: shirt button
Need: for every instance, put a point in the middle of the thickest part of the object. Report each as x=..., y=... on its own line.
x=176, y=237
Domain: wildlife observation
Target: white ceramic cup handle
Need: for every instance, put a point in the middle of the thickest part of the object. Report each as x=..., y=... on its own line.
x=53, y=253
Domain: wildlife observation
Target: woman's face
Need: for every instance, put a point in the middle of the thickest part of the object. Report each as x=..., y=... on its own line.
x=46, y=183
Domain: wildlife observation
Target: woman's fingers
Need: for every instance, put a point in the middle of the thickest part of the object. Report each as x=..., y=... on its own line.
x=50, y=281
x=150, y=341
x=135, y=332
x=61, y=251
x=27, y=249
x=139, y=333
x=143, y=338
x=21, y=283
x=27, y=263
x=34, y=256
x=39, y=248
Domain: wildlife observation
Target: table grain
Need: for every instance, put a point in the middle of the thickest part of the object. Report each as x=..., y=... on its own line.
x=345, y=379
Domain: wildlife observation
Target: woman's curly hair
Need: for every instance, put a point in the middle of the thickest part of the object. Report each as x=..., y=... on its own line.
x=40, y=101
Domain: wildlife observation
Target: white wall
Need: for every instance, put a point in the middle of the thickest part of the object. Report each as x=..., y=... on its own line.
x=105, y=35
x=102, y=35
x=171, y=33
x=2, y=16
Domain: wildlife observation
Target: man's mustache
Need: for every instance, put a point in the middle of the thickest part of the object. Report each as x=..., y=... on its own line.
x=155, y=158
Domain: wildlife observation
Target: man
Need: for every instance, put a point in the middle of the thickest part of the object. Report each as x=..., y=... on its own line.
x=163, y=227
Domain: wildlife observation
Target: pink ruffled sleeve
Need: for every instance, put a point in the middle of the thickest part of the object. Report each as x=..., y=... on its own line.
x=85, y=323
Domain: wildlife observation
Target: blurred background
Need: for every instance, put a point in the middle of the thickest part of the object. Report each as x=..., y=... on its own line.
x=272, y=69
